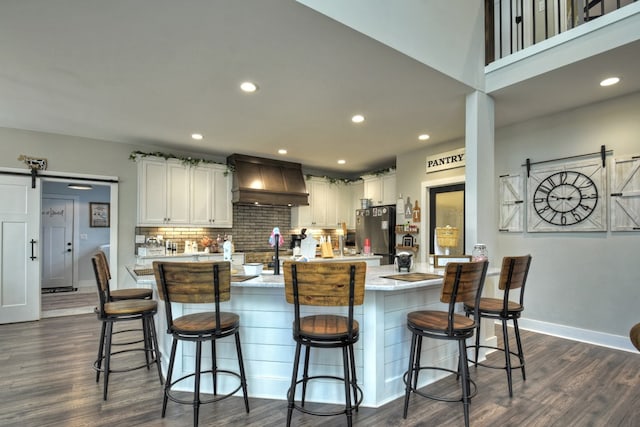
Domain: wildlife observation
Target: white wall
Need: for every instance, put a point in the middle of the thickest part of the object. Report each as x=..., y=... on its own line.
x=585, y=281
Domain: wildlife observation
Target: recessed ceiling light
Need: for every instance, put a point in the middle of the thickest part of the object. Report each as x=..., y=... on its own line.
x=342, y=162
x=282, y=151
x=80, y=186
x=423, y=137
x=197, y=136
x=248, y=87
x=610, y=81
x=358, y=118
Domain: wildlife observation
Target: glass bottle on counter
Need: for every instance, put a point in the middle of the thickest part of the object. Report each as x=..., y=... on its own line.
x=480, y=252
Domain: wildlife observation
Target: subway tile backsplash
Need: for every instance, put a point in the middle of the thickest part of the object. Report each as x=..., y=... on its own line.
x=252, y=226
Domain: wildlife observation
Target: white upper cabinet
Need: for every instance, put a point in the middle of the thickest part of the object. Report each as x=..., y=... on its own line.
x=163, y=192
x=380, y=189
x=171, y=193
x=326, y=208
x=211, y=196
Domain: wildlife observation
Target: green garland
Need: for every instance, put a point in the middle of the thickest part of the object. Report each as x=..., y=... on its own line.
x=191, y=161
x=187, y=161
x=332, y=180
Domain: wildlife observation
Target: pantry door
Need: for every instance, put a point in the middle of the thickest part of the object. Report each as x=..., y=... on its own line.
x=19, y=249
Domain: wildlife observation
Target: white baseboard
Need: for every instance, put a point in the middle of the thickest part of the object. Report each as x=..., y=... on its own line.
x=618, y=342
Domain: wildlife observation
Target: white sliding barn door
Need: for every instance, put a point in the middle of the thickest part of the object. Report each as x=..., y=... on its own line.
x=19, y=249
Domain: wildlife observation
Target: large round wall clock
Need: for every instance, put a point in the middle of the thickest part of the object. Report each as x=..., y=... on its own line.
x=567, y=198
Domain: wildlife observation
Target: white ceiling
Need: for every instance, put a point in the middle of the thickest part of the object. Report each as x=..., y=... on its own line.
x=154, y=71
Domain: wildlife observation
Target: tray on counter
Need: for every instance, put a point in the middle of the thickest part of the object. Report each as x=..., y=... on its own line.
x=413, y=277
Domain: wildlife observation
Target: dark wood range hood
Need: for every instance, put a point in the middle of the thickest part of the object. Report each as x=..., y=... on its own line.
x=263, y=181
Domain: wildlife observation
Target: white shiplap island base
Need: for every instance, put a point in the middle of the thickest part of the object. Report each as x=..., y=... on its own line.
x=268, y=347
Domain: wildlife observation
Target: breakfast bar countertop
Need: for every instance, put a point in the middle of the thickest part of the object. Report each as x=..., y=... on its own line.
x=378, y=277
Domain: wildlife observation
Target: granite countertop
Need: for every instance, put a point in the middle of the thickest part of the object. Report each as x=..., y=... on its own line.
x=376, y=279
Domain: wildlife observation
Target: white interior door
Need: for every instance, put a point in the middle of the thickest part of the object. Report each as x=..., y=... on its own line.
x=57, y=242
x=19, y=249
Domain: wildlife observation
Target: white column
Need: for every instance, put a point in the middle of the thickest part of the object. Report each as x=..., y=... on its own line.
x=480, y=181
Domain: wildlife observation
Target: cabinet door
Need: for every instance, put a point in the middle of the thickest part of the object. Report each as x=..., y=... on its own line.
x=178, y=177
x=222, y=207
x=318, y=202
x=373, y=190
x=333, y=205
x=152, y=192
x=202, y=198
x=388, y=188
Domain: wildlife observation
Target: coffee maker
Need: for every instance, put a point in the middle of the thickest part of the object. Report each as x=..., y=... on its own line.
x=296, y=239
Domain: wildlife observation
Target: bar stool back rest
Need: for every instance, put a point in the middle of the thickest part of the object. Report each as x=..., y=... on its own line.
x=462, y=282
x=103, y=258
x=513, y=275
x=120, y=294
x=102, y=281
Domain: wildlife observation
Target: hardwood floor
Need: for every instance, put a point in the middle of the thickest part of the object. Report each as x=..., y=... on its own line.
x=55, y=304
x=46, y=379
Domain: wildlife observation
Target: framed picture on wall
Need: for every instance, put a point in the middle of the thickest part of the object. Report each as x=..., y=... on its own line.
x=99, y=214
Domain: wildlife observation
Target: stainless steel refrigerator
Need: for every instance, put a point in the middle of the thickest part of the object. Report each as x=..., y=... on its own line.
x=378, y=224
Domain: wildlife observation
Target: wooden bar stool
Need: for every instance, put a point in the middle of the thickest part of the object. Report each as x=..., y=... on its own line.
x=110, y=312
x=462, y=282
x=325, y=284
x=513, y=275
x=199, y=283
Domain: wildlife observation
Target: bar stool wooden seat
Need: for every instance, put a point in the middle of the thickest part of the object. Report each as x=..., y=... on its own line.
x=110, y=312
x=199, y=283
x=461, y=282
x=328, y=284
x=122, y=294
x=513, y=276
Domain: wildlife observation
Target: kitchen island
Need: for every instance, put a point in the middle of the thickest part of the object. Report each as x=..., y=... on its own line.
x=268, y=348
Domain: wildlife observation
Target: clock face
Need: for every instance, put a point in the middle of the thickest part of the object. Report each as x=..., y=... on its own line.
x=565, y=198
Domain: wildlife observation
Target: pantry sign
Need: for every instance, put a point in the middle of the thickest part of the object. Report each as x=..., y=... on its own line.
x=449, y=160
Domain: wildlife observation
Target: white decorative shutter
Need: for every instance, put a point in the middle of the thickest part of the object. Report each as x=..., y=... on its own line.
x=511, y=203
x=625, y=194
